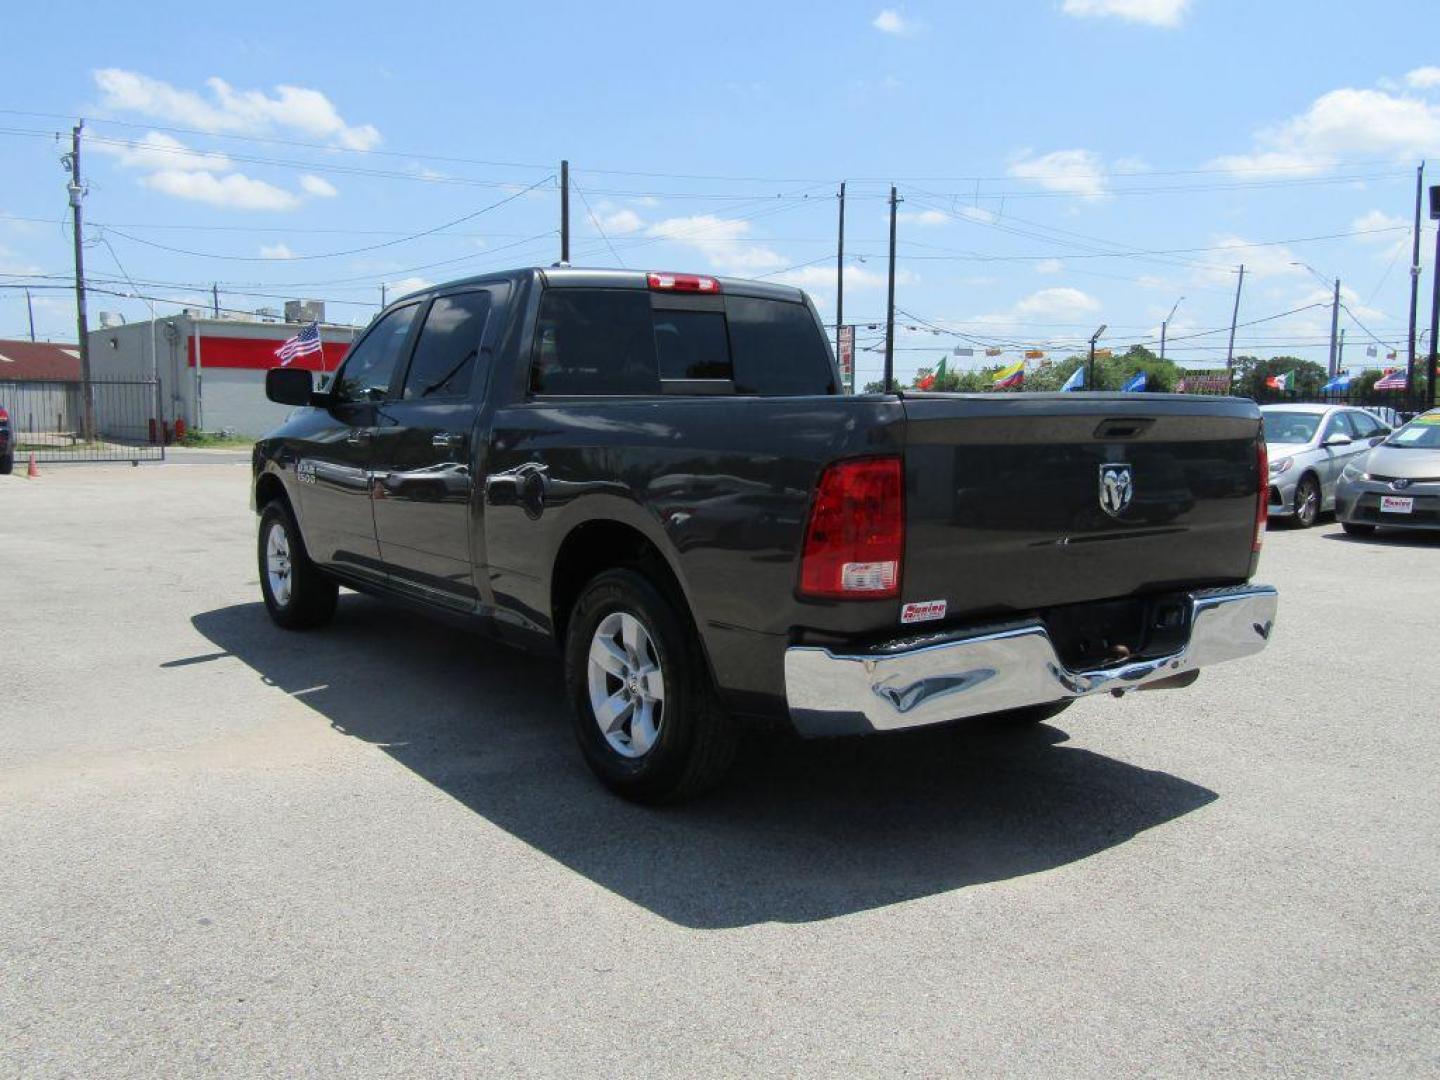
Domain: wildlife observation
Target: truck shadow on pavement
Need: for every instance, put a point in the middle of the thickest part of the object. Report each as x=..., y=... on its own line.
x=800, y=832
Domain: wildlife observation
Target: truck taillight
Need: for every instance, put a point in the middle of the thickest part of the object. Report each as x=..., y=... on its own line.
x=682, y=283
x=856, y=537
x=1262, y=497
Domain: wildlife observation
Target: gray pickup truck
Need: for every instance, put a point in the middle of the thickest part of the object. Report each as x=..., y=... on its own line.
x=658, y=476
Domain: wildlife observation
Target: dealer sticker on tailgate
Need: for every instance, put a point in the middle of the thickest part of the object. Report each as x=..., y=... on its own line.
x=1397, y=504
x=923, y=611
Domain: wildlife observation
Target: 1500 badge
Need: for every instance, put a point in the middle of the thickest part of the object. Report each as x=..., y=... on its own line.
x=305, y=471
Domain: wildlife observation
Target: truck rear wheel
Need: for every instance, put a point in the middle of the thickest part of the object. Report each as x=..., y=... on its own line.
x=645, y=713
x=297, y=595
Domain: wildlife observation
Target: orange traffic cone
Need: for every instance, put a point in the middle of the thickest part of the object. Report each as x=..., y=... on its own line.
x=32, y=473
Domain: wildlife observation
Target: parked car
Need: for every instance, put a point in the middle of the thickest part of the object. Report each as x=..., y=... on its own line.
x=658, y=477
x=1309, y=446
x=7, y=443
x=1397, y=485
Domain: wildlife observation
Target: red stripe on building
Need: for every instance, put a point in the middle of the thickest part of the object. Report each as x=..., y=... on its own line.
x=258, y=354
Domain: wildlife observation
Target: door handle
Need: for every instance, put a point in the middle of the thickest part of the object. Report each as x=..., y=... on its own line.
x=358, y=436
x=446, y=441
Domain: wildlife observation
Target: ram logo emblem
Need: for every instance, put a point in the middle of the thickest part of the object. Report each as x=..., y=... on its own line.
x=1117, y=488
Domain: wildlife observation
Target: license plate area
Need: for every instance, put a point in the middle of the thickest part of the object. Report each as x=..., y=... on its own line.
x=1397, y=504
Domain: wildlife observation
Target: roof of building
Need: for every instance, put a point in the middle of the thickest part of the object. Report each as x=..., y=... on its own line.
x=38, y=360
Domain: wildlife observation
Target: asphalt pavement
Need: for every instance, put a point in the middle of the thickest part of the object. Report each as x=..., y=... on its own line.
x=374, y=850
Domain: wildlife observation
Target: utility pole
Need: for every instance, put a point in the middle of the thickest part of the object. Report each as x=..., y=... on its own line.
x=1339, y=355
x=1234, y=315
x=564, y=211
x=1414, y=285
x=890, y=302
x=30, y=311
x=77, y=194
x=1434, y=357
x=1334, y=327
x=840, y=271
x=382, y=296
x=215, y=297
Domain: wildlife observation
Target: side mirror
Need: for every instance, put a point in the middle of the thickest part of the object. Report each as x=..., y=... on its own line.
x=289, y=386
x=1338, y=440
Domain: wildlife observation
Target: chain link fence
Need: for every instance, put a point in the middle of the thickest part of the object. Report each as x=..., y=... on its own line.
x=49, y=420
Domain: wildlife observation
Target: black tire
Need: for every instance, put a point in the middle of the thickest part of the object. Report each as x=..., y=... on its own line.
x=1353, y=528
x=7, y=465
x=1307, y=511
x=1030, y=714
x=695, y=740
x=311, y=602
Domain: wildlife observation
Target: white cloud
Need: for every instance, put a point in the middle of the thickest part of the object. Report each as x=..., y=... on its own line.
x=617, y=222
x=1423, y=78
x=1062, y=300
x=1373, y=222
x=1339, y=124
x=1167, y=13
x=856, y=277
x=155, y=150
x=720, y=241
x=227, y=110
x=890, y=21
x=234, y=191
x=1059, y=303
x=1270, y=261
x=276, y=251
x=396, y=289
x=1079, y=172
x=314, y=185
x=922, y=217
x=1049, y=266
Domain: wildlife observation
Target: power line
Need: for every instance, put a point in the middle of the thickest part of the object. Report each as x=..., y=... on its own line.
x=336, y=254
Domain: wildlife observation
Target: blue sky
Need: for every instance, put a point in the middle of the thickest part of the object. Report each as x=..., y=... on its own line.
x=1063, y=163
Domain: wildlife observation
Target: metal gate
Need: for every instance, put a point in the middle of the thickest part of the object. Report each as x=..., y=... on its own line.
x=48, y=419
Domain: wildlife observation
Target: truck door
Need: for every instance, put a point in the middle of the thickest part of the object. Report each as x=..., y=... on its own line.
x=425, y=456
x=333, y=463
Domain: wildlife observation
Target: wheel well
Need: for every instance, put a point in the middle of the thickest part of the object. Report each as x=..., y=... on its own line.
x=267, y=489
x=601, y=545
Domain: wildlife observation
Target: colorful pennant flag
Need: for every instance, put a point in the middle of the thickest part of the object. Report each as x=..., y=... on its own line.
x=1135, y=384
x=1076, y=381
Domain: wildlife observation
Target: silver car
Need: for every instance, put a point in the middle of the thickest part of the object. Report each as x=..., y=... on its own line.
x=1398, y=484
x=1309, y=447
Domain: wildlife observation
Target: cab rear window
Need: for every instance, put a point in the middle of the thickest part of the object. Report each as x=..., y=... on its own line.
x=628, y=342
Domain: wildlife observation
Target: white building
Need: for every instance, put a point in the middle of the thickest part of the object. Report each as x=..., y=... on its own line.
x=211, y=371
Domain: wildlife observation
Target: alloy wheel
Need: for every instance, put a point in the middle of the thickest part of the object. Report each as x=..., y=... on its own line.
x=626, y=683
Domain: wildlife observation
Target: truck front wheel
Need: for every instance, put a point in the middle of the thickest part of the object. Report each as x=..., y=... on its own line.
x=645, y=713
x=297, y=595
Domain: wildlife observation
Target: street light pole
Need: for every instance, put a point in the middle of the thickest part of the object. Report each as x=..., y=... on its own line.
x=1165, y=325
x=1090, y=369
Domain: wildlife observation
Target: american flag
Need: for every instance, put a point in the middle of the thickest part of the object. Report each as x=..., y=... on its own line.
x=1393, y=380
x=304, y=343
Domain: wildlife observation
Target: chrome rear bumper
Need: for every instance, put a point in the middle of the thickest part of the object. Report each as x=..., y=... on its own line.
x=947, y=677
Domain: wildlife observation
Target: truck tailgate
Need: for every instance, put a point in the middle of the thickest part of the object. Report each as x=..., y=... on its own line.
x=1006, y=507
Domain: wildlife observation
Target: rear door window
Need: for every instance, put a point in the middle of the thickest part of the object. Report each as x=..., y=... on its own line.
x=447, y=353
x=778, y=348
